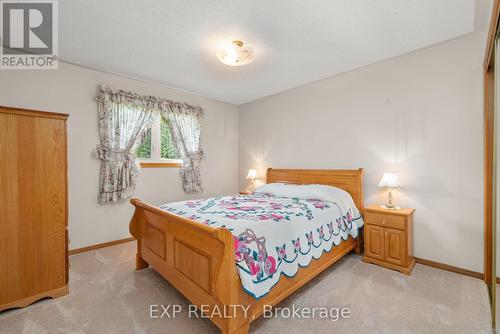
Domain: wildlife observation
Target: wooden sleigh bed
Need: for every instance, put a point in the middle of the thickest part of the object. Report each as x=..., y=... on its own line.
x=198, y=260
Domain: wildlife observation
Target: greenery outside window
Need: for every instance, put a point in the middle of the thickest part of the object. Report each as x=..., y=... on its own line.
x=157, y=148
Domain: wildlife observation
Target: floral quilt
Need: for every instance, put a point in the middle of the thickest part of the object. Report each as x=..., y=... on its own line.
x=274, y=235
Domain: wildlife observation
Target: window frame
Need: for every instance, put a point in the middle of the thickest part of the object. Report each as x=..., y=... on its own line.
x=156, y=161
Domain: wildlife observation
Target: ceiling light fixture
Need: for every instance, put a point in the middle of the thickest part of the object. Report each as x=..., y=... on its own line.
x=236, y=54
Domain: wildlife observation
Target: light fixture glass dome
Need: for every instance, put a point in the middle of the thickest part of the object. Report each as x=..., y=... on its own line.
x=236, y=54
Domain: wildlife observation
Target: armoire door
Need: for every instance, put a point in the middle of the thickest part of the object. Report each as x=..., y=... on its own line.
x=33, y=217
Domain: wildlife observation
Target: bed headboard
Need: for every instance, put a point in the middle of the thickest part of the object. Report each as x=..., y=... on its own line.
x=351, y=180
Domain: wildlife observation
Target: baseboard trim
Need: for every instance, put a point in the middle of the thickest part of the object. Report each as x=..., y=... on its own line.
x=425, y=262
x=453, y=269
x=101, y=245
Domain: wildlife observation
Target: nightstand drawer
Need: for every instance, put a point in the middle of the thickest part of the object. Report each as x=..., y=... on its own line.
x=392, y=221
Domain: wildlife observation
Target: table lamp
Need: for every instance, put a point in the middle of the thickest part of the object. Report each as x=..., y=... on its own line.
x=252, y=175
x=389, y=180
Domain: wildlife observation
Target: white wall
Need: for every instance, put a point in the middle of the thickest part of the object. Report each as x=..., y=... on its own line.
x=71, y=89
x=419, y=114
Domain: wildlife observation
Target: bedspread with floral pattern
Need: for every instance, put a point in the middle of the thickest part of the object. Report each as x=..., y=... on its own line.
x=274, y=235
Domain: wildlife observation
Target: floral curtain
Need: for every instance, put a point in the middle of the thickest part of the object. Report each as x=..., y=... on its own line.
x=185, y=126
x=124, y=117
x=122, y=122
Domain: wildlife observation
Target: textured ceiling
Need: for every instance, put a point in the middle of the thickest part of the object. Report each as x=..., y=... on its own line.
x=174, y=42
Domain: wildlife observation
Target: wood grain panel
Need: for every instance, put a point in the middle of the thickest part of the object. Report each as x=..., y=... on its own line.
x=155, y=240
x=193, y=264
x=397, y=222
x=33, y=224
x=490, y=179
x=488, y=117
x=395, y=246
x=9, y=228
x=489, y=114
x=374, y=241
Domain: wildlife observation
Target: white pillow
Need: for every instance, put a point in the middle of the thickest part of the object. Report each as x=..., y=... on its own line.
x=273, y=188
x=308, y=191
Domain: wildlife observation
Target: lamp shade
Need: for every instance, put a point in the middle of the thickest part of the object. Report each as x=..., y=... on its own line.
x=389, y=180
x=252, y=174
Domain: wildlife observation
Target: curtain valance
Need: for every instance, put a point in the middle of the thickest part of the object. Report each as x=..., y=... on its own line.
x=107, y=94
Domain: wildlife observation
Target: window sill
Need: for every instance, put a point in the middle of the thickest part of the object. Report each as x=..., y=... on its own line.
x=160, y=164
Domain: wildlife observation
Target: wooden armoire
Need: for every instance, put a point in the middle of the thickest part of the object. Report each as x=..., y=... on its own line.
x=33, y=206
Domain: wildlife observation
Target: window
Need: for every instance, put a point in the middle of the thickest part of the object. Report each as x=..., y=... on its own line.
x=157, y=148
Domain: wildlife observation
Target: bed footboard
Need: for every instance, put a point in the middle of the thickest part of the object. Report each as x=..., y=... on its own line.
x=198, y=260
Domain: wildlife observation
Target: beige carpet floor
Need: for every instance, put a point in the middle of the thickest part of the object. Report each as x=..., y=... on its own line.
x=108, y=296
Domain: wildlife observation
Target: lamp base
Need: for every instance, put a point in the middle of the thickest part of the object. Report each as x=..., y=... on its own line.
x=383, y=206
x=252, y=186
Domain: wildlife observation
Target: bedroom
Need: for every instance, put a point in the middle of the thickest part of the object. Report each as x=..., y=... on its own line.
x=336, y=93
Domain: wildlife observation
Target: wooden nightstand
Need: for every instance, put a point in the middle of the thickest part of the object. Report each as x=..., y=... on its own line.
x=388, y=237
